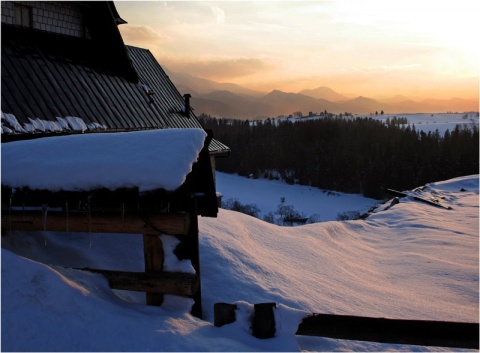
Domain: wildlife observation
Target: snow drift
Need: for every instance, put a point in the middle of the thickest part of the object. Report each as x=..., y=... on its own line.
x=411, y=261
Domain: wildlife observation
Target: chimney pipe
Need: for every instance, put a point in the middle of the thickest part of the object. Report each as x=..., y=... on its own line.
x=187, y=104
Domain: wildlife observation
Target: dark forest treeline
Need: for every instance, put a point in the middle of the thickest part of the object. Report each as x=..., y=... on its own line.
x=354, y=155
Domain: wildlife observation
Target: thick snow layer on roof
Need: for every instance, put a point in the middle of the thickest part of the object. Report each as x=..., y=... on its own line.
x=149, y=160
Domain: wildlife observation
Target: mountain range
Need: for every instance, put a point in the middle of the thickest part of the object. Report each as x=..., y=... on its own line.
x=229, y=100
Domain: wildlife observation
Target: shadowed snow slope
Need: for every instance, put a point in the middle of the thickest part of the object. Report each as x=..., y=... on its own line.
x=411, y=261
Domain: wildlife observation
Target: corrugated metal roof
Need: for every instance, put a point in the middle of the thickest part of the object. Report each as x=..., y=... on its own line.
x=46, y=81
x=166, y=95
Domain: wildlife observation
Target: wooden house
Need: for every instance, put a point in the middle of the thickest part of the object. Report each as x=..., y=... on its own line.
x=67, y=71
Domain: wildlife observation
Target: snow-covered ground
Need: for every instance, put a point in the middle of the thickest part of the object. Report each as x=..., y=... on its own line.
x=267, y=194
x=438, y=121
x=412, y=261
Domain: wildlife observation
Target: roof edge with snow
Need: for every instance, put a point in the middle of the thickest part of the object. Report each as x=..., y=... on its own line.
x=147, y=160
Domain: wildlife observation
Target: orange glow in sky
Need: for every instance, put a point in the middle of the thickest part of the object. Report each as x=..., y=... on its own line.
x=371, y=48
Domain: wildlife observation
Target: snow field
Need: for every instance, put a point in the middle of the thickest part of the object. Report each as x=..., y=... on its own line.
x=411, y=261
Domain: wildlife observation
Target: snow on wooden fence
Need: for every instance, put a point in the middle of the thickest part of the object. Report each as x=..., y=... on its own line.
x=411, y=332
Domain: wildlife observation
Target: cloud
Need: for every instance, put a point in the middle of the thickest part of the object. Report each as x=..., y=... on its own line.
x=141, y=36
x=389, y=68
x=219, y=14
x=221, y=69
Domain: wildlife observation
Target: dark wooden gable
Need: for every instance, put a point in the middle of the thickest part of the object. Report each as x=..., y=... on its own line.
x=97, y=78
x=68, y=78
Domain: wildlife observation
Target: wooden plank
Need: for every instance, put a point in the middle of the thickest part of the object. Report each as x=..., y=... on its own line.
x=97, y=222
x=414, y=332
x=154, y=256
x=158, y=283
x=417, y=198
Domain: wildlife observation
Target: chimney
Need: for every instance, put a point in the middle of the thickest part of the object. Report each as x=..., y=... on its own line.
x=186, y=112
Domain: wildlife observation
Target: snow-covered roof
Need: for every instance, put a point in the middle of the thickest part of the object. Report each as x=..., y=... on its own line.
x=149, y=160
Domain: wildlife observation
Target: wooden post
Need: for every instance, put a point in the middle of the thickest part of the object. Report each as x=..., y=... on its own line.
x=193, y=243
x=153, y=252
x=263, y=325
x=223, y=314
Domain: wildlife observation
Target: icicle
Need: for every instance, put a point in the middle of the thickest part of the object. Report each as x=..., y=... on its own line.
x=89, y=216
x=44, y=211
x=66, y=212
x=10, y=212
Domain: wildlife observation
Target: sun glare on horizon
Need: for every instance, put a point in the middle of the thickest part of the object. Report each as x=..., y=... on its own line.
x=353, y=46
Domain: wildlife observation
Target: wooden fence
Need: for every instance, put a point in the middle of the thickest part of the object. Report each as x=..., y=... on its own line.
x=411, y=332
x=154, y=281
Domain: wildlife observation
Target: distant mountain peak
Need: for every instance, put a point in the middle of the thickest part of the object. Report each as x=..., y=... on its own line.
x=324, y=92
x=203, y=86
x=234, y=101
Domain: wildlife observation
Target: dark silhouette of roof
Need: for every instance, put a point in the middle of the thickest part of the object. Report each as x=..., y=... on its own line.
x=110, y=87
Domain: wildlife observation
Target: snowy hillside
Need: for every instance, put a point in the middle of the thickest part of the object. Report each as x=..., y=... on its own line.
x=267, y=194
x=422, y=121
x=412, y=261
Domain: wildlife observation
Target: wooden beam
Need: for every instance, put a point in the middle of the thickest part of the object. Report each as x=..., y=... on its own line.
x=415, y=332
x=153, y=256
x=163, y=283
x=96, y=222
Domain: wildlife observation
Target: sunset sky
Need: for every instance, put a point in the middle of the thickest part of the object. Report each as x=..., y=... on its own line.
x=373, y=48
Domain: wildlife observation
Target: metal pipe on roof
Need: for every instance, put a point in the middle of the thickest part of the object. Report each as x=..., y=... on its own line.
x=187, y=97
